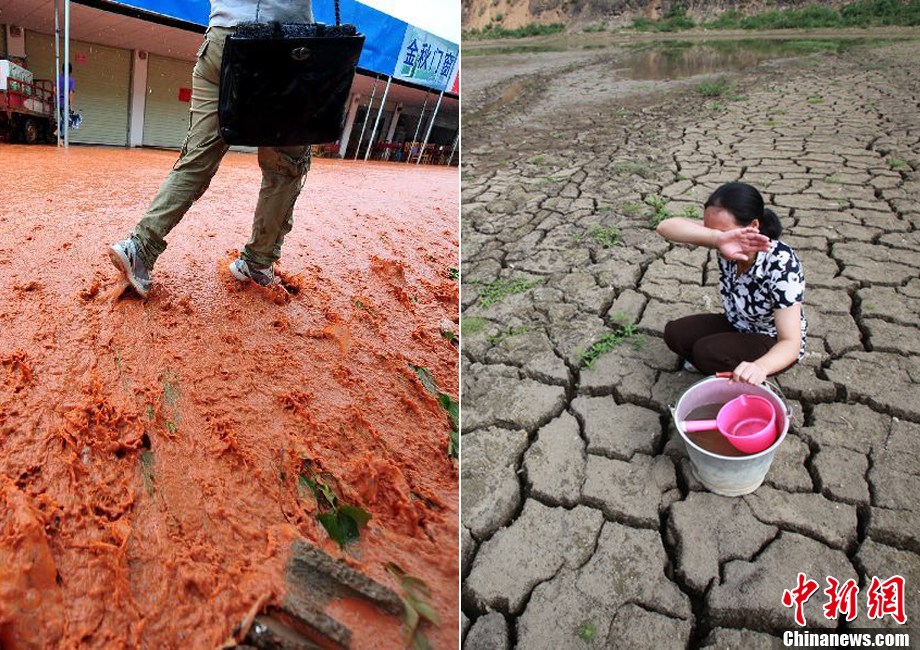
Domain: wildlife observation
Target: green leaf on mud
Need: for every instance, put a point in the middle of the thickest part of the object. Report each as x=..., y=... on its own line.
x=421, y=642
x=304, y=487
x=348, y=528
x=351, y=520
x=359, y=515
x=321, y=491
x=416, y=608
x=330, y=522
x=427, y=380
x=147, y=463
x=170, y=388
x=452, y=407
x=453, y=446
x=344, y=524
x=447, y=403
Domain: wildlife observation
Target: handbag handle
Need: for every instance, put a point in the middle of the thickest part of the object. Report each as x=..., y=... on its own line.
x=338, y=13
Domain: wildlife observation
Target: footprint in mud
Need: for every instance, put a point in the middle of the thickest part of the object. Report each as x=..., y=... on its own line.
x=392, y=271
x=89, y=292
x=293, y=283
x=123, y=289
x=282, y=291
x=341, y=334
x=28, y=287
x=19, y=372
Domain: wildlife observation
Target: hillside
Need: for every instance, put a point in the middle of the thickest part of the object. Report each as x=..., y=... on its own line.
x=516, y=13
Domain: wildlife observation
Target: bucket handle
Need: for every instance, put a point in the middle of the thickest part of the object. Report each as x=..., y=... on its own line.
x=728, y=375
x=782, y=396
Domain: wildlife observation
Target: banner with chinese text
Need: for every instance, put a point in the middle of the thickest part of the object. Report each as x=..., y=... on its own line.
x=426, y=59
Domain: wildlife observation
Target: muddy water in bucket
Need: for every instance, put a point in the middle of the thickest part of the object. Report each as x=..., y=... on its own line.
x=725, y=470
x=711, y=440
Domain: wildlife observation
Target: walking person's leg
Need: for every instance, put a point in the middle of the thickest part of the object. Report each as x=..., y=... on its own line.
x=284, y=171
x=190, y=176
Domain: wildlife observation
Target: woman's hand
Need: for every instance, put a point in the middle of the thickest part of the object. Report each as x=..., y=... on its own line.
x=738, y=243
x=782, y=355
x=749, y=372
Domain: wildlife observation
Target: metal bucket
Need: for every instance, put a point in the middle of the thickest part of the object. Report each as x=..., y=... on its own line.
x=729, y=476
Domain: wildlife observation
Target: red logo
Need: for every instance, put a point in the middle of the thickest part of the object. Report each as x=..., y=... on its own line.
x=884, y=598
x=887, y=598
x=841, y=599
x=799, y=596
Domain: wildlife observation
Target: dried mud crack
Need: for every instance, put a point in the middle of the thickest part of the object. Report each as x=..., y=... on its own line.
x=582, y=524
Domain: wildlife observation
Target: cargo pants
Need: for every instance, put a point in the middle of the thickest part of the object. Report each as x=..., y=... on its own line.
x=283, y=172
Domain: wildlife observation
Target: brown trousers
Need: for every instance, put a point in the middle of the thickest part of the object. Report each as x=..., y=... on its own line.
x=710, y=343
x=283, y=172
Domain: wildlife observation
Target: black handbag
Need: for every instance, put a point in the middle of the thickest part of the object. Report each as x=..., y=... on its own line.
x=284, y=84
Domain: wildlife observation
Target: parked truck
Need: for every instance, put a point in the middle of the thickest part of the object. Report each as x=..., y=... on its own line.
x=26, y=106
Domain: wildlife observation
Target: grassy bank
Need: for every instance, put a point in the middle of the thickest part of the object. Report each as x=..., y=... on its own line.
x=864, y=13
x=494, y=30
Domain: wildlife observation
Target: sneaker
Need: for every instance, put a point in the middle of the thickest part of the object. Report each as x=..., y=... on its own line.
x=689, y=367
x=125, y=257
x=242, y=271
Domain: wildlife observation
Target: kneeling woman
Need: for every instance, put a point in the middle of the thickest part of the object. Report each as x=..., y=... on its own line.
x=762, y=331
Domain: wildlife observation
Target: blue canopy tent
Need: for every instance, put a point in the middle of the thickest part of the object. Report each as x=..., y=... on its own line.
x=390, y=42
x=393, y=49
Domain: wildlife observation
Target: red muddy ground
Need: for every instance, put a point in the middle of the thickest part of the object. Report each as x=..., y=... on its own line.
x=231, y=387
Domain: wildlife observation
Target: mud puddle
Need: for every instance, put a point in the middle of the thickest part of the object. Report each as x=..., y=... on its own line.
x=151, y=451
x=681, y=59
x=585, y=71
x=509, y=95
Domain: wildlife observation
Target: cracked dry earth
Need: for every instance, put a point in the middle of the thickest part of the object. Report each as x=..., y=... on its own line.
x=582, y=525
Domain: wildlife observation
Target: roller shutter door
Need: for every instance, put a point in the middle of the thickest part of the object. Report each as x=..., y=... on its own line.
x=102, y=77
x=166, y=116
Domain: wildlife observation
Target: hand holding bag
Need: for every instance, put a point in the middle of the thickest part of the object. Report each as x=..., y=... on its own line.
x=285, y=84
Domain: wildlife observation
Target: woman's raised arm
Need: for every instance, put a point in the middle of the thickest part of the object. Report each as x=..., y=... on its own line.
x=734, y=244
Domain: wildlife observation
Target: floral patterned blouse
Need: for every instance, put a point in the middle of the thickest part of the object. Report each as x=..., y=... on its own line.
x=774, y=281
